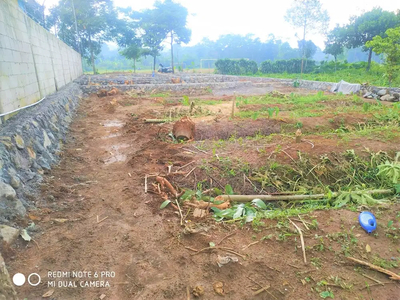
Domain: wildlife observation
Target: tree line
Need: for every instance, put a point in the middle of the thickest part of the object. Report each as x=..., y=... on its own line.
x=86, y=24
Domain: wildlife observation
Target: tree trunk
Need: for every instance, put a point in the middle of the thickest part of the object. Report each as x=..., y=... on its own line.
x=335, y=62
x=91, y=55
x=172, y=53
x=154, y=63
x=369, y=59
x=134, y=65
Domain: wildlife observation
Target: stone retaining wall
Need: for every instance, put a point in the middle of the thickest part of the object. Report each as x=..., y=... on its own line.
x=29, y=144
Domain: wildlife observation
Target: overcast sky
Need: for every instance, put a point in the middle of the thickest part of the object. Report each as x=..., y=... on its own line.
x=212, y=18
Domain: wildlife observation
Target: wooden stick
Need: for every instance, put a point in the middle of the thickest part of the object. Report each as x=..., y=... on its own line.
x=185, y=165
x=145, y=184
x=164, y=181
x=180, y=211
x=200, y=150
x=304, y=223
x=373, y=279
x=155, y=120
x=375, y=284
x=102, y=220
x=251, y=244
x=392, y=275
x=301, y=240
x=248, y=198
x=190, y=172
x=261, y=290
x=225, y=237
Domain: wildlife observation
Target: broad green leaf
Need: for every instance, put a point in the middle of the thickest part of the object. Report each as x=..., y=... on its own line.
x=228, y=189
x=165, y=203
x=390, y=224
x=239, y=212
x=327, y=294
x=259, y=203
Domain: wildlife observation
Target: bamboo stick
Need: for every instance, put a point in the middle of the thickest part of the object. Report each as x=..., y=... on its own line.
x=248, y=198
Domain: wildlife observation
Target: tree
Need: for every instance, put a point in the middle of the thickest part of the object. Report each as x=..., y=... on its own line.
x=335, y=43
x=134, y=52
x=172, y=18
x=365, y=27
x=390, y=47
x=308, y=15
x=95, y=20
x=309, y=48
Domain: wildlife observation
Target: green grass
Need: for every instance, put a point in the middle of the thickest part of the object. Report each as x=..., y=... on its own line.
x=374, y=77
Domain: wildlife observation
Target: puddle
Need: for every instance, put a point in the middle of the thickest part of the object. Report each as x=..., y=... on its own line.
x=115, y=154
x=113, y=123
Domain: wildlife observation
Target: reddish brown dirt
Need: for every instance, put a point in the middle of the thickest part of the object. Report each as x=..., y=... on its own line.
x=93, y=215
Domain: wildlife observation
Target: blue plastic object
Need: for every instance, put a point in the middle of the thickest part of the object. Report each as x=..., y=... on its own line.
x=367, y=221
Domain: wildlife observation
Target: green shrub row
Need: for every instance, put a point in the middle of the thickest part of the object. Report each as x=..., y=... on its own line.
x=236, y=67
x=287, y=66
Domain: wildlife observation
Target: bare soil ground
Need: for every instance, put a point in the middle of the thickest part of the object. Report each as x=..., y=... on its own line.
x=93, y=215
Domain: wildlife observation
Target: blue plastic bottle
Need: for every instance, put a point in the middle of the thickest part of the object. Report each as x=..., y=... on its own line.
x=367, y=221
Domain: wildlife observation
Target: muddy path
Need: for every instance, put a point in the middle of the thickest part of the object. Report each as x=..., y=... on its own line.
x=93, y=215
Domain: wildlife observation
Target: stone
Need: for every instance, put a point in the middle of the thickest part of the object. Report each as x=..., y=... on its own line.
x=31, y=152
x=7, y=192
x=396, y=95
x=46, y=141
x=19, y=141
x=15, y=182
x=388, y=97
x=43, y=163
x=381, y=92
x=367, y=95
x=8, y=234
x=7, y=291
x=9, y=204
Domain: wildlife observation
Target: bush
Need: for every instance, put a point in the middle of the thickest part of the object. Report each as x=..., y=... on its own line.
x=234, y=67
x=287, y=66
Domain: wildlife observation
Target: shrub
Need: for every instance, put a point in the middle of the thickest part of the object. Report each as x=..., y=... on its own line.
x=287, y=66
x=234, y=67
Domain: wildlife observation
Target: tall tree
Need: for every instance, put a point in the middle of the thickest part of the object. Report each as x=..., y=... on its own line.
x=95, y=20
x=364, y=27
x=172, y=18
x=335, y=43
x=308, y=15
x=309, y=48
x=390, y=47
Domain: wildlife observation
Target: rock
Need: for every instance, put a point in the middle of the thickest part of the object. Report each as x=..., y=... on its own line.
x=396, y=95
x=9, y=204
x=388, y=97
x=15, y=182
x=381, y=92
x=7, y=291
x=19, y=141
x=31, y=152
x=43, y=163
x=8, y=234
x=7, y=192
x=46, y=142
x=367, y=95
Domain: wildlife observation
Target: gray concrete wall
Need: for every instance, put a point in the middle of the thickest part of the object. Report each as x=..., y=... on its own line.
x=33, y=62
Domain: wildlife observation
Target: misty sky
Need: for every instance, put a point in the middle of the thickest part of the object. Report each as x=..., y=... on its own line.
x=212, y=18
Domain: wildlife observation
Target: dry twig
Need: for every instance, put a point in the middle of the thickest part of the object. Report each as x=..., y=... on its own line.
x=392, y=275
x=301, y=240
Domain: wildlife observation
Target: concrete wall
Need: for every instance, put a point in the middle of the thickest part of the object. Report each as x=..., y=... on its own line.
x=33, y=62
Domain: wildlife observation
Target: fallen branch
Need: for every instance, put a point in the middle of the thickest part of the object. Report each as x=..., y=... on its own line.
x=207, y=205
x=186, y=165
x=248, y=198
x=392, y=275
x=155, y=120
x=373, y=279
x=301, y=240
x=180, y=211
x=190, y=172
x=251, y=244
x=304, y=223
x=165, y=182
x=225, y=237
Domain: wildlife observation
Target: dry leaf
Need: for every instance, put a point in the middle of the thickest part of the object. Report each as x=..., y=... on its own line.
x=24, y=234
x=102, y=296
x=368, y=248
x=48, y=294
x=219, y=288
